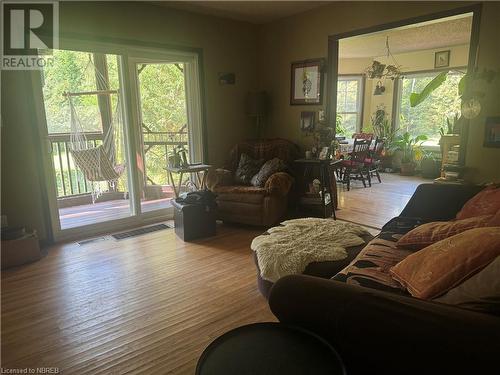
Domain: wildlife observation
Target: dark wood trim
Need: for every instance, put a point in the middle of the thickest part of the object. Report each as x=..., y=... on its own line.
x=332, y=78
x=408, y=21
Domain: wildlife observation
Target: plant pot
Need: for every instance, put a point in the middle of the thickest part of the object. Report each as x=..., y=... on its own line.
x=407, y=168
x=397, y=156
x=431, y=168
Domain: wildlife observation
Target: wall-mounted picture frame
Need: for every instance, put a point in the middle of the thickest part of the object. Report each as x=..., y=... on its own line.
x=307, y=120
x=442, y=59
x=307, y=82
x=492, y=132
x=227, y=78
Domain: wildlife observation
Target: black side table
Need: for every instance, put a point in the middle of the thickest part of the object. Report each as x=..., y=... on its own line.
x=271, y=349
x=324, y=167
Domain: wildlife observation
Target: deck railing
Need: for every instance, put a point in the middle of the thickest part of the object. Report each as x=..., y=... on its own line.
x=70, y=180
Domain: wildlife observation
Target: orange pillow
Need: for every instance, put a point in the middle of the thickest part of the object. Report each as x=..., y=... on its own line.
x=486, y=202
x=429, y=233
x=436, y=269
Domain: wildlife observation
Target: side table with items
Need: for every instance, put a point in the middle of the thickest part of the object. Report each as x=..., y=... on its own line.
x=323, y=200
x=195, y=169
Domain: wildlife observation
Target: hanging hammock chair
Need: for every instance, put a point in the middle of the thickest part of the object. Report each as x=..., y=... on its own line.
x=97, y=163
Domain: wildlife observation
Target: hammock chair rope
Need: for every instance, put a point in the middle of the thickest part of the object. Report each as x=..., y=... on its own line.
x=97, y=163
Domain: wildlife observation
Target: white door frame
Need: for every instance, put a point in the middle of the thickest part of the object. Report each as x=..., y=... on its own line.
x=193, y=93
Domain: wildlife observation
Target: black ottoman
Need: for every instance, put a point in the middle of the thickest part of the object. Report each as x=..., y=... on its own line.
x=271, y=349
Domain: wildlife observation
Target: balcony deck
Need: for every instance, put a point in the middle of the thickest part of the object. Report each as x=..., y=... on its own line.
x=77, y=216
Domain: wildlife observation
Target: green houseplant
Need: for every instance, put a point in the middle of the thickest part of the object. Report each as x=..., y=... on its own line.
x=409, y=146
x=430, y=165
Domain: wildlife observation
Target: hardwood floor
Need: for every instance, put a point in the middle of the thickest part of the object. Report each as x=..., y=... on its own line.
x=376, y=205
x=149, y=304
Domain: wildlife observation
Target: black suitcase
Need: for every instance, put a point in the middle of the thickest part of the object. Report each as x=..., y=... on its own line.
x=194, y=220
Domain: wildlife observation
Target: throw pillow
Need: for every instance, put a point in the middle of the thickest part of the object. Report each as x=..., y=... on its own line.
x=481, y=292
x=439, y=267
x=269, y=168
x=486, y=202
x=247, y=168
x=429, y=233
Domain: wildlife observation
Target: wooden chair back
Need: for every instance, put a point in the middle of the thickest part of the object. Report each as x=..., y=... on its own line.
x=361, y=150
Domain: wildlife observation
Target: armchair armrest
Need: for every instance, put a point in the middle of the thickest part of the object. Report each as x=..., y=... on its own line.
x=279, y=183
x=435, y=202
x=219, y=177
x=383, y=333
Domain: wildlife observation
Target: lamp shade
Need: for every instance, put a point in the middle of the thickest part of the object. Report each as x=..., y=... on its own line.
x=256, y=103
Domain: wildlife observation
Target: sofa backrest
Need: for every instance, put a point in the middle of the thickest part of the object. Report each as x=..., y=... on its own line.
x=264, y=149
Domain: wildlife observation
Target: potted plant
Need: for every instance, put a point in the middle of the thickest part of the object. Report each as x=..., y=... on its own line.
x=430, y=165
x=383, y=129
x=408, y=146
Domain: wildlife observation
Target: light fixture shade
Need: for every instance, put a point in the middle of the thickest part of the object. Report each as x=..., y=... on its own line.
x=256, y=103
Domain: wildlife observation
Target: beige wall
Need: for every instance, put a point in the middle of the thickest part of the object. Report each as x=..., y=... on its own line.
x=228, y=46
x=289, y=40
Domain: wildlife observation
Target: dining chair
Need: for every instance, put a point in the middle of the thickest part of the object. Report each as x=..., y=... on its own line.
x=354, y=167
x=373, y=161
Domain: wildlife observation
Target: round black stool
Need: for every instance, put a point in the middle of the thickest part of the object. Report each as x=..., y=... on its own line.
x=271, y=349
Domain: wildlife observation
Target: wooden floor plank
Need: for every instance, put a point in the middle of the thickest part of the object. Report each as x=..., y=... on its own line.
x=149, y=304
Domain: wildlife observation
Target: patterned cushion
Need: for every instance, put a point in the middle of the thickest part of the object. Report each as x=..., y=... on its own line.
x=486, y=202
x=439, y=267
x=429, y=233
x=269, y=168
x=371, y=267
x=247, y=168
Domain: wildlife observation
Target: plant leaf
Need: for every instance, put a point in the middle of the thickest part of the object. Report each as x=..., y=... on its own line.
x=416, y=98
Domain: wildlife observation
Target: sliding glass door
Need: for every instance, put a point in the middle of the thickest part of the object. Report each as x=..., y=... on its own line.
x=111, y=122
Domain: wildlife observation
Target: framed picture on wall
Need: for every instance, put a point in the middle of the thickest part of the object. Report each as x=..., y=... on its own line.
x=492, y=132
x=307, y=120
x=442, y=59
x=307, y=82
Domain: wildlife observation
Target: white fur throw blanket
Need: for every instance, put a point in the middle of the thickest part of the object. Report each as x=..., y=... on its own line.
x=289, y=248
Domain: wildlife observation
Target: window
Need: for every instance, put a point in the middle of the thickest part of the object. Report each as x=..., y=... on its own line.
x=430, y=115
x=349, y=104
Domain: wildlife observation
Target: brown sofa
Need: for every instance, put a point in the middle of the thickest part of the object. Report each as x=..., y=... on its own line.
x=377, y=331
x=260, y=206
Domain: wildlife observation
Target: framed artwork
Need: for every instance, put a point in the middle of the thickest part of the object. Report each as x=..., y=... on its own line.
x=307, y=120
x=492, y=132
x=307, y=82
x=324, y=154
x=442, y=59
x=227, y=78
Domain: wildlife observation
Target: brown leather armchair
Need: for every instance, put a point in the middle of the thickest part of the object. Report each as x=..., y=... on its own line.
x=261, y=206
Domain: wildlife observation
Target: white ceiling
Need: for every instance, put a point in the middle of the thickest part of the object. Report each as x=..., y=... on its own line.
x=430, y=35
x=257, y=12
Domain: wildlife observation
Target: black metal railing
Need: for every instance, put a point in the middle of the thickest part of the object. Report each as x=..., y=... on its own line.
x=70, y=181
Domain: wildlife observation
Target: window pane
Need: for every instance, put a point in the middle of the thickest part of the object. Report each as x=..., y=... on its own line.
x=351, y=101
x=431, y=114
x=349, y=122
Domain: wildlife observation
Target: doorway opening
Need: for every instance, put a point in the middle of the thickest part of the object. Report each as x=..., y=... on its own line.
x=377, y=79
